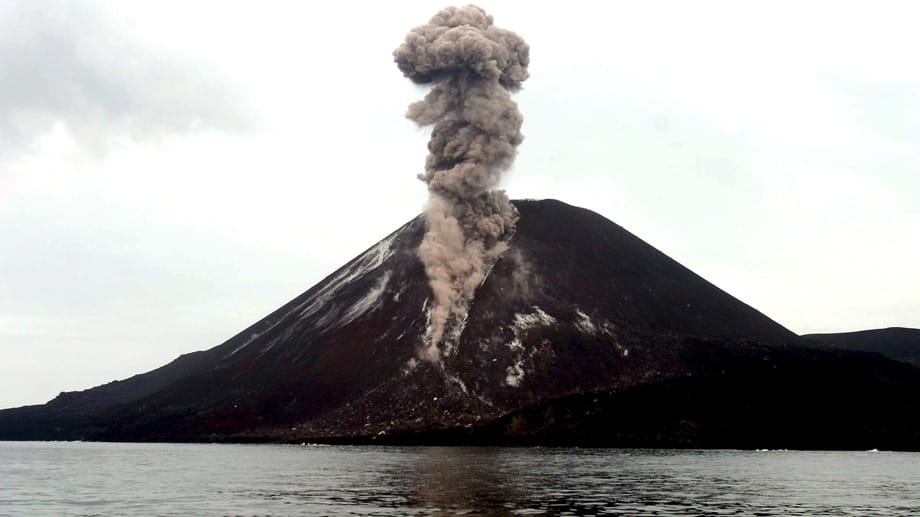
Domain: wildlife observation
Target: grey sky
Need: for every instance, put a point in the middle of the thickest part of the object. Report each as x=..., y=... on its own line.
x=170, y=172
x=69, y=62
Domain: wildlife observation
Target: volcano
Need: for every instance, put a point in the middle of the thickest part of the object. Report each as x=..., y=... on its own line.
x=581, y=333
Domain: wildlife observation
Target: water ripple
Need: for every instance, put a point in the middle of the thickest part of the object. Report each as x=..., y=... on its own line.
x=182, y=479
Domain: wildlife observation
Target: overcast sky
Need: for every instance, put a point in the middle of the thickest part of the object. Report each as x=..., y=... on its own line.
x=170, y=172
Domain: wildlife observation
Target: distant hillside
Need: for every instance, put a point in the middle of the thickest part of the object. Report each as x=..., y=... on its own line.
x=898, y=343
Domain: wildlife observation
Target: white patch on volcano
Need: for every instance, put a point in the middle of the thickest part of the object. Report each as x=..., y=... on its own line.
x=285, y=336
x=427, y=312
x=515, y=344
x=410, y=367
x=327, y=318
x=588, y=326
x=585, y=324
x=399, y=293
x=244, y=345
x=515, y=374
x=453, y=336
x=524, y=321
x=369, y=301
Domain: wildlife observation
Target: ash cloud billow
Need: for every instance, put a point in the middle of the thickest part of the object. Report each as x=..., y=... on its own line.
x=472, y=66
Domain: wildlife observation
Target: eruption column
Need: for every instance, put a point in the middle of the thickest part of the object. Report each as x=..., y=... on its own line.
x=472, y=66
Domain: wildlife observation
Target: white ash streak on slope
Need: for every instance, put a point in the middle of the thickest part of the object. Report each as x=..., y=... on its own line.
x=472, y=65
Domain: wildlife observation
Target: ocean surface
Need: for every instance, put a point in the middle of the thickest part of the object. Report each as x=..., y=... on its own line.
x=56, y=478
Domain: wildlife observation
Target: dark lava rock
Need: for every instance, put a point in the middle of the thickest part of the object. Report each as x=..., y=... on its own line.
x=582, y=334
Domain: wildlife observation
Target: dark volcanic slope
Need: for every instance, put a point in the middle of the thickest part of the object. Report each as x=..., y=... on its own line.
x=577, y=307
x=574, y=259
x=898, y=343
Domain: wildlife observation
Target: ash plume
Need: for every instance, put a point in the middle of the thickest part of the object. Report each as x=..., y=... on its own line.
x=472, y=65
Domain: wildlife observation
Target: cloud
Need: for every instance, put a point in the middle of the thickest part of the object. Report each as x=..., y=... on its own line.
x=67, y=62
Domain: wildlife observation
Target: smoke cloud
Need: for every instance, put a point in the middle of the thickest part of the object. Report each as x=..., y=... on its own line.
x=472, y=66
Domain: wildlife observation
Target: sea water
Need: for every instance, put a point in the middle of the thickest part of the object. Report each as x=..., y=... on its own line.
x=52, y=478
